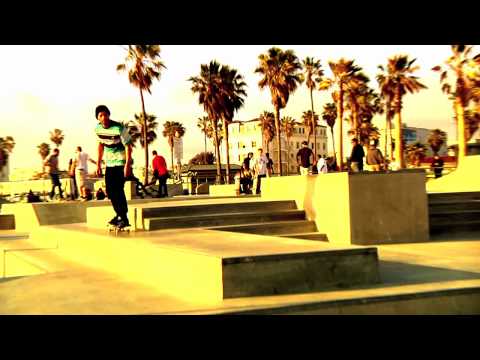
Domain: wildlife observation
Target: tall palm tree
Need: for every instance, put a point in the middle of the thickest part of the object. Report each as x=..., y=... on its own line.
x=233, y=93
x=355, y=92
x=44, y=151
x=6, y=147
x=208, y=85
x=203, y=123
x=280, y=71
x=343, y=70
x=267, y=123
x=310, y=121
x=313, y=74
x=288, y=124
x=436, y=139
x=136, y=129
x=143, y=65
x=329, y=115
x=57, y=137
x=465, y=89
x=397, y=79
x=169, y=130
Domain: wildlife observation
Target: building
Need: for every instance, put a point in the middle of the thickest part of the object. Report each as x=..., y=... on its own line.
x=246, y=136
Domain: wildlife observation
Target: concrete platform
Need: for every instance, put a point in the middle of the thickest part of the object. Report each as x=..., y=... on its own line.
x=440, y=277
x=463, y=179
x=221, y=265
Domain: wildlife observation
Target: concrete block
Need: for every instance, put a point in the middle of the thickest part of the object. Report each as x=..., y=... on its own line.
x=7, y=222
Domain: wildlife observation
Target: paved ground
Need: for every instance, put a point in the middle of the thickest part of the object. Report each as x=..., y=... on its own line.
x=444, y=263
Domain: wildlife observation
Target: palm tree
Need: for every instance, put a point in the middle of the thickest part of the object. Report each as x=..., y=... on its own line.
x=310, y=122
x=415, y=153
x=6, y=147
x=281, y=74
x=57, y=137
x=169, y=130
x=288, y=124
x=343, y=70
x=44, y=151
x=466, y=75
x=267, y=123
x=143, y=65
x=233, y=93
x=436, y=139
x=397, y=79
x=136, y=129
x=356, y=89
x=329, y=115
x=203, y=123
x=208, y=85
x=313, y=74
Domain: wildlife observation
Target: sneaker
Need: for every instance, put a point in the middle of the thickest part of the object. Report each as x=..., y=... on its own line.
x=114, y=221
x=123, y=223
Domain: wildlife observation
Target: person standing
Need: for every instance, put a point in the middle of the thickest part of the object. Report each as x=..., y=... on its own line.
x=81, y=170
x=177, y=154
x=304, y=158
x=260, y=168
x=356, y=157
x=73, y=182
x=160, y=173
x=246, y=161
x=269, y=165
x=52, y=163
x=374, y=157
x=437, y=166
x=115, y=142
x=322, y=167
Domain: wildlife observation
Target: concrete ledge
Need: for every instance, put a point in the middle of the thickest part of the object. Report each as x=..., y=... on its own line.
x=361, y=209
x=463, y=179
x=222, y=190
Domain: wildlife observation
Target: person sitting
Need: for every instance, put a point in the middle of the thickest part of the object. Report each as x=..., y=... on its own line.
x=246, y=180
x=100, y=195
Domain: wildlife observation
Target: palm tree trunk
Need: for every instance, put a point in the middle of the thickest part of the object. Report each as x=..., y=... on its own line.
x=225, y=125
x=333, y=140
x=386, y=130
x=217, y=150
x=462, y=143
x=145, y=182
x=279, y=145
x=340, y=129
x=205, y=152
x=314, y=128
x=288, y=158
x=398, y=132
x=171, y=153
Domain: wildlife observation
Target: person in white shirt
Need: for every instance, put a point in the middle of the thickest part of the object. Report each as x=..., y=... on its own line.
x=81, y=170
x=260, y=168
x=321, y=165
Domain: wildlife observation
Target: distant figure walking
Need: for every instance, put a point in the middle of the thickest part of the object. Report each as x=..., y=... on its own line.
x=269, y=165
x=260, y=168
x=160, y=173
x=52, y=164
x=356, y=157
x=81, y=170
x=322, y=167
x=437, y=166
x=374, y=157
x=114, y=139
x=304, y=158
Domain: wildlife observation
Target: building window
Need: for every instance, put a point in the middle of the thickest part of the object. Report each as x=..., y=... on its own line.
x=298, y=145
x=239, y=145
x=239, y=158
x=254, y=144
x=324, y=147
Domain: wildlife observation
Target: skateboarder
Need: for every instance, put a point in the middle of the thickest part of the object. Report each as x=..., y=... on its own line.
x=115, y=142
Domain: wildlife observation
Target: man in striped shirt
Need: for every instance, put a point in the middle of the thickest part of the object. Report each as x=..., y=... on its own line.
x=115, y=143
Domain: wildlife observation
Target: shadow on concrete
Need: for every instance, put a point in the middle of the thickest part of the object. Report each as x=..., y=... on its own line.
x=8, y=279
x=459, y=236
x=394, y=273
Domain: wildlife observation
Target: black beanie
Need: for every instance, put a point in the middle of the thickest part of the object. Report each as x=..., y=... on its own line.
x=101, y=108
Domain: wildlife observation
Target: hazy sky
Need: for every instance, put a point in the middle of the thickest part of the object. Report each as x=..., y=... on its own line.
x=47, y=87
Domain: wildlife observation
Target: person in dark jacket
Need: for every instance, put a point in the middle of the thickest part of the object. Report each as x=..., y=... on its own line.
x=374, y=157
x=356, y=157
x=437, y=166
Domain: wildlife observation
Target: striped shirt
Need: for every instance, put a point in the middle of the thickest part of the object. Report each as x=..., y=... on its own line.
x=114, y=138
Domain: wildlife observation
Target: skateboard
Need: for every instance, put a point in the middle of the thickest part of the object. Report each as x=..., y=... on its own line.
x=117, y=229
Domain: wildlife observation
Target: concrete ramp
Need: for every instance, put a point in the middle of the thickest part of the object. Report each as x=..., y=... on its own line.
x=207, y=265
x=464, y=179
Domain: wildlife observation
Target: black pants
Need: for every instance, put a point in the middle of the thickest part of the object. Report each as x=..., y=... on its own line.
x=259, y=183
x=56, y=182
x=162, y=188
x=114, y=184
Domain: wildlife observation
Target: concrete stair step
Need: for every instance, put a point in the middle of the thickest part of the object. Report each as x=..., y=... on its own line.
x=455, y=226
x=211, y=220
x=308, y=236
x=457, y=196
x=248, y=207
x=451, y=217
x=272, y=228
x=219, y=265
x=453, y=206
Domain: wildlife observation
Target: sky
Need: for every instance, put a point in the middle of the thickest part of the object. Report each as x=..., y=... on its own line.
x=47, y=87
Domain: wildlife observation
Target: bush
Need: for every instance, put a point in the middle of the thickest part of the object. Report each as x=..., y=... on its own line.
x=202, y=159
